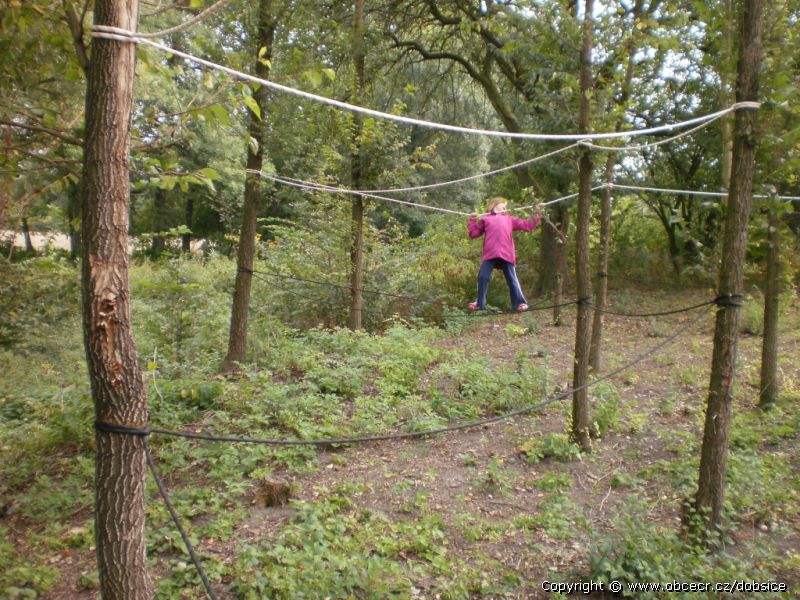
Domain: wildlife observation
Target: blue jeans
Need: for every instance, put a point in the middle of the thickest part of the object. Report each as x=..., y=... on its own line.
x=485, y=274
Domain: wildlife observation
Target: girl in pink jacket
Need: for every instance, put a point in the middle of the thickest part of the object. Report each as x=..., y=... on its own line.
x=498, y=250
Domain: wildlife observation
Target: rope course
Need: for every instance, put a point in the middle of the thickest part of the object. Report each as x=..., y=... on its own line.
x=146, y=431
x=125, y=35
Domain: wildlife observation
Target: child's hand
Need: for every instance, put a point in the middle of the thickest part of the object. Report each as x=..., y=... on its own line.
x=473, y=216
x=540, y=208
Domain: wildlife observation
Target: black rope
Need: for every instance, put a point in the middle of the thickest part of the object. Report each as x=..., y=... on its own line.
x=329, y=283
x=124, y=429
x=602, y=274
x=585, y=301
x=462, y=315
x=728, y=300
x=652, y=314
x=163, y=492
x=417, y=434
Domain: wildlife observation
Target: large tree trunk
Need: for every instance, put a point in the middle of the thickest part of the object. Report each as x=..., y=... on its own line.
x=356, y=159
x=709, y=502
x=581, y=421
x=116, y=379
x=770, y=385
x=237, y=339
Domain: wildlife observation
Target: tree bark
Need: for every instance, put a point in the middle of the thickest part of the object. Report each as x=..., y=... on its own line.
x=73, y=214
x=709, y=501
x=581, y=422
x=186, y=238
x=116, y=380
x=356, y=160
x=26, y=236
x=770, y=385
x=159, y=209
x=237, y=339
x=601, y=286
x=553, y=252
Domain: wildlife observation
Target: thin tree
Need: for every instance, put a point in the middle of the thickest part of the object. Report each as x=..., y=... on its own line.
x=770, y=385
x=709, y=501
x=601, y=284
x=116, y=380
x=356, y=161
x=581, y=423
x=237, y=338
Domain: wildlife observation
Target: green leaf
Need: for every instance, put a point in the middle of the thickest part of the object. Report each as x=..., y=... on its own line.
x=252, y=143
x=330, y=74
x=209, y=173
x=251, y=103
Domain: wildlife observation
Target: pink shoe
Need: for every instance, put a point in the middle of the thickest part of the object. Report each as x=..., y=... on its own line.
x=522, y=307
x=472, y=306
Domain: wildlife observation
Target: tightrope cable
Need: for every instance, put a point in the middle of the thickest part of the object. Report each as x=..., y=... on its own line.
x=653, y=314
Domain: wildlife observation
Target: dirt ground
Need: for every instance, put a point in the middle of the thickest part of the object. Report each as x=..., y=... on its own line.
x=445, y=467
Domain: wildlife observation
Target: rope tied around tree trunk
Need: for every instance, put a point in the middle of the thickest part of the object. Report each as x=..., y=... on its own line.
x=123, y=429
x=729, y=300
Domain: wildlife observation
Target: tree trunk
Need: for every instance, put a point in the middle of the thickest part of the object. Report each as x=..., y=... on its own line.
x=553, y=252
x=581, y=422
x=601, y=287
x=186, y=238
x=770, y=385
x=601, y=284
x=237, y=339
x=117, y=384
x=356, y=160
x=159, y=209
x=726, y=71
x=26, y=235
x=73, y=214
x=709, y=502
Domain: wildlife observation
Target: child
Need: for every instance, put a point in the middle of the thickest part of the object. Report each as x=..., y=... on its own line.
x=498, y=249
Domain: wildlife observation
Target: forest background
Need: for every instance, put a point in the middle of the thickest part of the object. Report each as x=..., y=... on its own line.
x=491, y=65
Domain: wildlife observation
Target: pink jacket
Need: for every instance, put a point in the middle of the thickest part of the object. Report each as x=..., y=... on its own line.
x=498, y=228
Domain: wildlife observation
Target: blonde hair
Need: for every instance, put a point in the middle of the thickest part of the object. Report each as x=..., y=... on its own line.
x=494, y=202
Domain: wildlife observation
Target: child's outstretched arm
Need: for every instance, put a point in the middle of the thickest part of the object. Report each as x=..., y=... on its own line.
x=518, y=224
x=475, y=226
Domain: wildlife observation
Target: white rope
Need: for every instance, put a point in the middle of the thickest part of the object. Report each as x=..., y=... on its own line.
x=319, y=187
x=637, y=147
x=535, y=159
x=119, y=34
x=635, y=188
x=473, y=177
